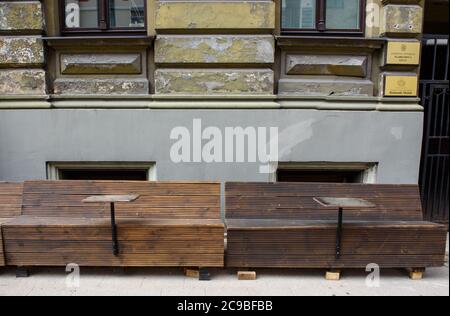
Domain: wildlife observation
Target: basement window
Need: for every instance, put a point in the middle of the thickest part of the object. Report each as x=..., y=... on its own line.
x=327, y=173
x=102, y=171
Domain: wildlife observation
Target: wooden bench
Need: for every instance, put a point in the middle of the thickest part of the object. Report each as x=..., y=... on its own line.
x=170, y=225
x=281, y=225
x=10, y=207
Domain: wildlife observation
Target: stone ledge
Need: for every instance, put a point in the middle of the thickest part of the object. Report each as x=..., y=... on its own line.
x=331, y=43
x=199, y=102
x=21, y=17
x=21, y=52
x=215, y=49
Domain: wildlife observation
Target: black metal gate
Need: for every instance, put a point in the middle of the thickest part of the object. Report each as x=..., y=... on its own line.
x=434, y=85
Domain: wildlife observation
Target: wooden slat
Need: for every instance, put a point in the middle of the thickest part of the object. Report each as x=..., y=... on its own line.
x=103, y=233
x=321, y=261
x=157, y=200
x=10, y=199
x=10, y=207
x=130, y=260
x=296, y=201
x=2, y=255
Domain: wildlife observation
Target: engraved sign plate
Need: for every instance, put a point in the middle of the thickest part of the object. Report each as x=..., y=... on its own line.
x=403, y=53
x=401, y=86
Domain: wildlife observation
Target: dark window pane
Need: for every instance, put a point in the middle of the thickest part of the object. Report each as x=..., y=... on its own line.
x=81, y=14
x=325, y=176
x=103, y=174
x=343, y=14
x=299, y=14
x=127, y=13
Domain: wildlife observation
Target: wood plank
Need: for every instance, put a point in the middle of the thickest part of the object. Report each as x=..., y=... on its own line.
x=416, y=274
x=130, y=260
x=349, y=261
x=296, y=200
x=2, y=255
x=333, y=275
x=192, y=273
x=104, y=247
x=93, y=233
x=246, y=275
x=10, y=199
x=160, y=200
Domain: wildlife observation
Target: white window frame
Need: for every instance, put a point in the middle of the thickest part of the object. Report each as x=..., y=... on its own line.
x=369, y=170
x=54, y=168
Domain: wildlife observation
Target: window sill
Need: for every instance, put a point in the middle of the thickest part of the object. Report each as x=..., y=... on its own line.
x=329, y=41
x=90, y=41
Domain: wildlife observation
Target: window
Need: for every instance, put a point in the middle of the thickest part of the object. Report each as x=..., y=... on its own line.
x=323, y=16
x=327, y=172
x=137, y=171
x=99, y=16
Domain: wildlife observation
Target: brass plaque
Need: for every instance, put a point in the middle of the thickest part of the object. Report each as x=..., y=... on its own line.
x=403, y=53
x=401, y=86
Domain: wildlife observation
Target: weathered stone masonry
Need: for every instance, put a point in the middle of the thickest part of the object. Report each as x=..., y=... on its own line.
x=22, y=49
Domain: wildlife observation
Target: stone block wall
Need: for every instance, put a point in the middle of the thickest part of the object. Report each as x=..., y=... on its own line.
x=214, y=48
x=21, y=49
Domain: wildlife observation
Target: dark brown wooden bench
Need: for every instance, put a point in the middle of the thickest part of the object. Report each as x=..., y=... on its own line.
x=281, y=225
x=10, y=207
x=170, y=225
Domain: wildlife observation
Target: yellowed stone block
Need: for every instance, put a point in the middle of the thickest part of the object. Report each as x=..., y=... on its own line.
x=21, y=51
x=214, y=81
x=196, y=15
x=224, y=49
x=402, y=20
x=22, y=82
x=18, y=16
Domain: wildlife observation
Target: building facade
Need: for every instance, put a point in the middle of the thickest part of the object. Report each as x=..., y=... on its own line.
x=109, y=89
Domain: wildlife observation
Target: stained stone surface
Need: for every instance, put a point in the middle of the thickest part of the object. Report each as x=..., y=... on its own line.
x=326, y=87
x=22, y=82
x=215, y=49
x=101, y=86
x=215, y=15
x=21, y=51
x=402, y=20
x=214, y=81
x=343, y=65
x=21, y=16
x=101, y=64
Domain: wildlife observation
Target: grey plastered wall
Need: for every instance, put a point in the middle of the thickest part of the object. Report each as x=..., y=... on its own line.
x=29, y=139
